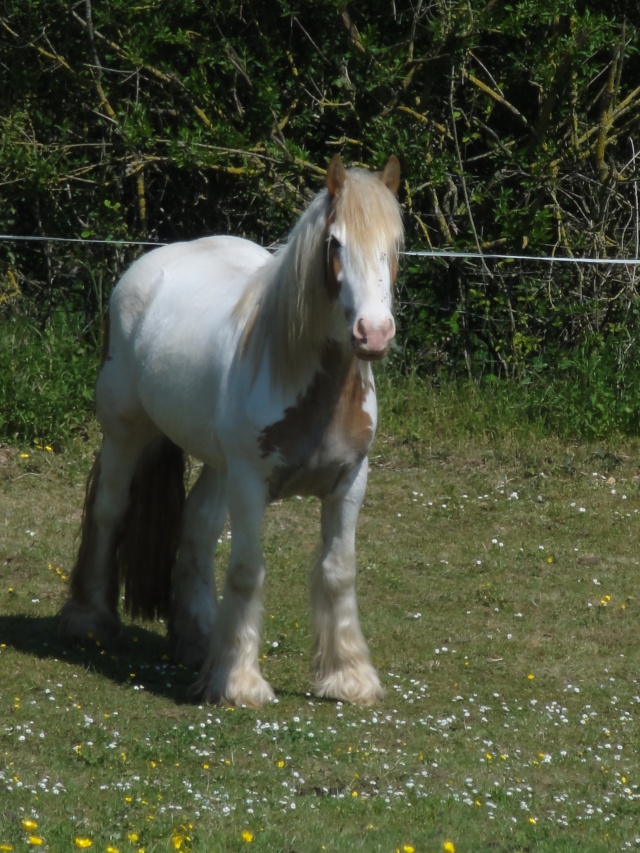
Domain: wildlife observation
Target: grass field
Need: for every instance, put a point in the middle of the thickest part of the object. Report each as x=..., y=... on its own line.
x=498, y=590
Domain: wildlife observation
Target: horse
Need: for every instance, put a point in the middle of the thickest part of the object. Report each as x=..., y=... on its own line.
x=259, y=366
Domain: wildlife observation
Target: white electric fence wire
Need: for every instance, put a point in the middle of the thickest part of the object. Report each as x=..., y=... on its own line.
x=427, y=253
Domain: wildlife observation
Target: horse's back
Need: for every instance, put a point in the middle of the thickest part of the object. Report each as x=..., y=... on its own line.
x=209, y=269
x=172, y=333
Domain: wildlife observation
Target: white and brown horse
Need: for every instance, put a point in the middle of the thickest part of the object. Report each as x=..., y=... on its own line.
x=258, y=365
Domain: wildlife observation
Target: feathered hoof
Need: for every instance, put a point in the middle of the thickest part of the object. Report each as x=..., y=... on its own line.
x=359, y=686
x=80, y=623
x=244, y=689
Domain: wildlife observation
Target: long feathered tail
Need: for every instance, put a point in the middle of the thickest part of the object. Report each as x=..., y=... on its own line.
x=150, y=532
x=140, y=552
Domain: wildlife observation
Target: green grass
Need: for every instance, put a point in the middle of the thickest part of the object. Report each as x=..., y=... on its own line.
x=48, y=371
x=498, y=591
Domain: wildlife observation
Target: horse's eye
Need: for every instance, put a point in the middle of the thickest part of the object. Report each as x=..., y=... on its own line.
x=334, y=244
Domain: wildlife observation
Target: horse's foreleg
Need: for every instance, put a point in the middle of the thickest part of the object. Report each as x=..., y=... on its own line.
x=194, y=605
x=92, y=608
x=341, y=665
x=231, y=673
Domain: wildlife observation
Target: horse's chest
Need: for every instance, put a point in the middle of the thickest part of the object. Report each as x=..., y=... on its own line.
x=321, y=438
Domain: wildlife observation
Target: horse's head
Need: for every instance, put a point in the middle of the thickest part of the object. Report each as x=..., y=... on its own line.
x=364, y=236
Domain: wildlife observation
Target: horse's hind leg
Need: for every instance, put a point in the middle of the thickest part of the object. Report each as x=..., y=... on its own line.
x=92, y=607
x=193, y=604
x=342, y=668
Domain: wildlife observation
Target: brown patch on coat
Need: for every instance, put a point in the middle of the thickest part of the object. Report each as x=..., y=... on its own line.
x=325, y=434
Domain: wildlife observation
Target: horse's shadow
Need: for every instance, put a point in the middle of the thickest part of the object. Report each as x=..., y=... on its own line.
x=138, y=657
x=136, y=650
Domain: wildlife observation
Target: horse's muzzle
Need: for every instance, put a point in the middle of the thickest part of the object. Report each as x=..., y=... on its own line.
x=371, y=341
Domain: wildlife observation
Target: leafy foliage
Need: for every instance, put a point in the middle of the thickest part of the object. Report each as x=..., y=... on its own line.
x=515, y=123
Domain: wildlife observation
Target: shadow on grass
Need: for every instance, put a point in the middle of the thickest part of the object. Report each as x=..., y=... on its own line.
x=137, y=650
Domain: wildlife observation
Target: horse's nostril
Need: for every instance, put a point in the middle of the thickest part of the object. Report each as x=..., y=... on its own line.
x=361, y=331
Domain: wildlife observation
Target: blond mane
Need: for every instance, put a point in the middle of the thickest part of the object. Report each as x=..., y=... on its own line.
x=284, y=308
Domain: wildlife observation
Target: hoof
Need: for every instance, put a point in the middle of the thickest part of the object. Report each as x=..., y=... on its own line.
x=246, y=689
x=357, y=686
x=80, y=622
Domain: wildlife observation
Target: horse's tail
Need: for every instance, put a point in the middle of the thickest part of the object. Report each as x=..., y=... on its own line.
x=150, y=531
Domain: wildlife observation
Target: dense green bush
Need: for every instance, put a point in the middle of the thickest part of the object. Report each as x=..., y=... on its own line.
x=515, y=123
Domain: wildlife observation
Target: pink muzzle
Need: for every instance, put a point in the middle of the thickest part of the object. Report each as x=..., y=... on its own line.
x=371, y=340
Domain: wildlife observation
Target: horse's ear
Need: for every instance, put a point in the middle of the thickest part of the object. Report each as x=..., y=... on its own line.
x=390, y=175
x=336, y=176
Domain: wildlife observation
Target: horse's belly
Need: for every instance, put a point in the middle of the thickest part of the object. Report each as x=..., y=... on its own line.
x=286, y=482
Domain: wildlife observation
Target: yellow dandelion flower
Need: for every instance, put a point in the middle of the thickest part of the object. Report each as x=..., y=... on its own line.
x=6, y=847
x=407, y=849
x=281, y=763
x=133, y=837
x=247, y=836
x=177, y=841
x=111, y=849
x=531, y=676
x=549, y=559
x=82, y=843
x=28, y=824
x=354, y=794
x=34, y=840
x=532, y=821
x=448, y=847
